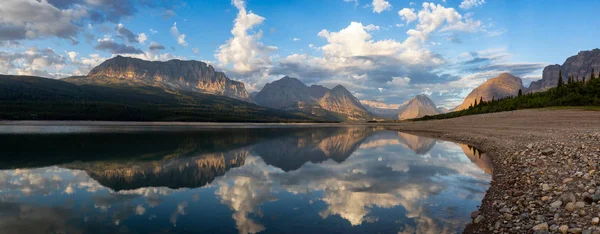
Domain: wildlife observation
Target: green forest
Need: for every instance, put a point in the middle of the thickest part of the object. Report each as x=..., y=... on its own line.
x=571, y=92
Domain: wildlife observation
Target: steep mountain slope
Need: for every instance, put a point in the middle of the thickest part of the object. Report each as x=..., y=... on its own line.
x=417, y=107
x=291, y=94
x=579, y=66
x=381, y=109
x=499, y=87
x=27, y=97
x=172, y=74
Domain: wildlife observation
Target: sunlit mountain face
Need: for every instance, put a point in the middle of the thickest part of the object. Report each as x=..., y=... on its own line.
x=237, y=180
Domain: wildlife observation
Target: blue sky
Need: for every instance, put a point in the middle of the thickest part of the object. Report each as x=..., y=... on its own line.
x=386, y=50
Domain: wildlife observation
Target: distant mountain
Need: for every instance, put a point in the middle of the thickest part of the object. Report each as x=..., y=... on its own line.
x=36, y=98
x=172, y=74
x=579, y=66
x=381, y=109
x=499, y=87
x=291, y=94
x=444, y=110
x=418, y=107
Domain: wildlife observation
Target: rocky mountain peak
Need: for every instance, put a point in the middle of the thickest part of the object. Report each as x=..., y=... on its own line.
x=579, y=66
x=291, y=94
x=172, y=74
x=502, y=86
x=419, y=106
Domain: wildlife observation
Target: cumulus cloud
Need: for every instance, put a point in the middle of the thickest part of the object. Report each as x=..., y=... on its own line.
x=244, y=51
x=34, y=61
x=468, y=4
x=30, y=19
x=380, y=6
x=109, y=45
x=33, y=19
x=352, y=52
x=179, y=36
x=142, y=38
x=407, y=15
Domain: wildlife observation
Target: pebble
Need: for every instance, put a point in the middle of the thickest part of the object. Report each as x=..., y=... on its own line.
x=474, y=214
x=547, y=151
x=563, y=229
x=545, y=187
x=541, y=227
x=478, y=219
x=570, y=206
x=556, y=204
x=595, y=221
x=575, y=230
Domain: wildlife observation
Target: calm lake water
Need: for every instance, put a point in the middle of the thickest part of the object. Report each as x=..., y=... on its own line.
x=186, y=179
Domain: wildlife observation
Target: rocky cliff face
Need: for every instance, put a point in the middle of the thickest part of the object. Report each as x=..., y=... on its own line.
x=499, y=87
x=291, y=94
x=173, y=74
x=579, y=66
x=418, y=107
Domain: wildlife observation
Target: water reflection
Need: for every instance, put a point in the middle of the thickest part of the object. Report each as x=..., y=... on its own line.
x=296, y=180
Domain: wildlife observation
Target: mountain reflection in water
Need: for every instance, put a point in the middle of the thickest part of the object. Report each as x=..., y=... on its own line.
x=239, y=180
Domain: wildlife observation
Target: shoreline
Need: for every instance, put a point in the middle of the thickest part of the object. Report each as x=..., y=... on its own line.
x=545, y=164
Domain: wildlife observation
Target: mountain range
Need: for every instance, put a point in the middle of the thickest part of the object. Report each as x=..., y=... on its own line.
x=291, y=94
x=123, y=88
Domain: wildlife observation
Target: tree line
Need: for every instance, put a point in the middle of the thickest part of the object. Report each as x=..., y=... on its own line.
x=573, y=92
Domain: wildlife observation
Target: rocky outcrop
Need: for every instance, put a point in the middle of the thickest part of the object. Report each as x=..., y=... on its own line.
x=579, y=67
x=291, y=94
x=504, y=85
x=418, y=107
x=172, y=74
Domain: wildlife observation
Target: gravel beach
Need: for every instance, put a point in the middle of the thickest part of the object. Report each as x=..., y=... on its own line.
x=546, y=165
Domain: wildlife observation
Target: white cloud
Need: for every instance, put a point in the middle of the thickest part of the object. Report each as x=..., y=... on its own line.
x=179, y=36
x=244, y=50
x=142, y=38
x=381, y=5
x=195, y=50
x=295, y=39
x=407, y=14
x=468, y=4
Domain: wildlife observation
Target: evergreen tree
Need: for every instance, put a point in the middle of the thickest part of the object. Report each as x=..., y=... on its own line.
x=481, y=100
x=475, y=104
x=520, y=92
x=593, y=75
x=560, y=80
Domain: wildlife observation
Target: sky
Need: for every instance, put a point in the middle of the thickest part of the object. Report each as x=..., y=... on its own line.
x=384, y=50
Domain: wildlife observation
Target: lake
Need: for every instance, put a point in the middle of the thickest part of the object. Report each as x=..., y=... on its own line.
x=80, y=178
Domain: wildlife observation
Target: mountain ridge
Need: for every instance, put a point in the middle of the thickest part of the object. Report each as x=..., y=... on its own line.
x=290, y=93
x=578, y=66
x=175, y=74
